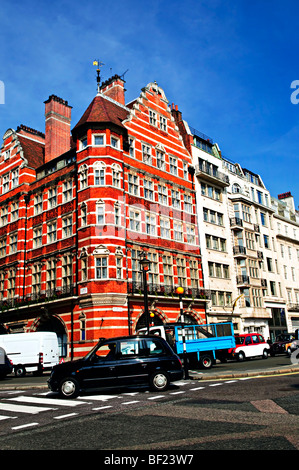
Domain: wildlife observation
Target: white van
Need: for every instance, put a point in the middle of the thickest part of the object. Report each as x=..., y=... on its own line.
x=31, y=352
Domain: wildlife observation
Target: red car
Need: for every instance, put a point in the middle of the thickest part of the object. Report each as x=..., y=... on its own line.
x=249, y=345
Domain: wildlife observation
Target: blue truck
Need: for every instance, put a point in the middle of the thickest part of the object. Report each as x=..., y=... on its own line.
x=200, y=344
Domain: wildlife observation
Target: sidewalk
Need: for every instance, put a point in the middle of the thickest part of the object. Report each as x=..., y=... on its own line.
x=213, y=374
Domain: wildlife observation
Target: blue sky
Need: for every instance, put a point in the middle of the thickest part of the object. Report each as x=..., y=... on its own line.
x=228, y=65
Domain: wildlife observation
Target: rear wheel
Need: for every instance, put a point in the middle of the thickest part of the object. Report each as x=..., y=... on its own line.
x=206, y=361
x=69, y=388
x=20, y=371
x=265, y=354
x=159, y=381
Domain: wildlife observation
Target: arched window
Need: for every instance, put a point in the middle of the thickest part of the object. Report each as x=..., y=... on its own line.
x=82, y=319
x=116, y=172
x=83, y=172
x=236, y=188
x=100, y=212
x=101, y=254
x=99, y=171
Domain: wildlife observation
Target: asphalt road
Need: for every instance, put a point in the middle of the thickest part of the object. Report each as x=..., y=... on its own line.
x=192, y=416
x=235, y=406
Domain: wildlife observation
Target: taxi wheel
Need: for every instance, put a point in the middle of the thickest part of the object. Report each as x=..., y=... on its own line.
x=159, y=381
x=69, y=388
x=241, y=356
x=265, y=354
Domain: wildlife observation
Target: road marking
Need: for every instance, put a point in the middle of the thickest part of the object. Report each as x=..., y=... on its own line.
x=23, y=409
x=177, y=393
x=197, y=388
x=230, y=381
x=65, y=416
x=268, y=406
x=2, y=417
x=25, y=426
x=102, y=407
x=215, y=385
x=130, y=402
x=99, y=397
x=47, y=401
x=156, y=397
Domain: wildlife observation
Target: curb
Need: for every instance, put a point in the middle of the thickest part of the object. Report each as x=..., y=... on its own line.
x=194, y=375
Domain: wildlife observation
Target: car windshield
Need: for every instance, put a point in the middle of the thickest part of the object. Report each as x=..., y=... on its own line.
x=92, y=351
x=239, y=339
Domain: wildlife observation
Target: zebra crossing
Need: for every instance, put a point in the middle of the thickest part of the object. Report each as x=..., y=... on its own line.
x=17, y=408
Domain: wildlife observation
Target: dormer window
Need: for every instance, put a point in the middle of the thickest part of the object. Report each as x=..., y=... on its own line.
x=6, y=154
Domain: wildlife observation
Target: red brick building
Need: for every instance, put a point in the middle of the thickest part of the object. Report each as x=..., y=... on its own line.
x=77, y=209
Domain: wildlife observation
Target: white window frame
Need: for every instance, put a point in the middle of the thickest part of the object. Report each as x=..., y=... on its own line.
x=135, y=220
x=94, y=137
x=99, y=174
x=52, y=231
x=67, y=226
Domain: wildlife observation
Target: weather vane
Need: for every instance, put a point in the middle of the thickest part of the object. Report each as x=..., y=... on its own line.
x=98, y=64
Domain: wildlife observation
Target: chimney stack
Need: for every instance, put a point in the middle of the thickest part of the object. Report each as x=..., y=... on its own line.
x=114, y=88
x=58, y=127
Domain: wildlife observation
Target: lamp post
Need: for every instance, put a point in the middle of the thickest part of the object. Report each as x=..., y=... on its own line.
x=180, y=291
x=145, y=265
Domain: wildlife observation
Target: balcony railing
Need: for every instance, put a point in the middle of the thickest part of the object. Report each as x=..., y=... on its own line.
x=206, y=170
x=239, y=250
x=235, y=221
x=168, y=290
x=38, y=297
x=243, y=279
x=293, y=307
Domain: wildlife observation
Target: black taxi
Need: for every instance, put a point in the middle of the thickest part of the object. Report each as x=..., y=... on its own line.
x=115, y=362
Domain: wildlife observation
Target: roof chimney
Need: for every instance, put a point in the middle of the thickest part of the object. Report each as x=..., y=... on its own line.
x=114, y=88
x=58, y=127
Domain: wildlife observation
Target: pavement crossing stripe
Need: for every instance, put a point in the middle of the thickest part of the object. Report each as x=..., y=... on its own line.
x=24, y=426
x=99, y=397
x=156, y=397
x=130, y=402
x=2, y=417
x=47, y=401
x=102, y=407
x=65, y=416
x=23, y=408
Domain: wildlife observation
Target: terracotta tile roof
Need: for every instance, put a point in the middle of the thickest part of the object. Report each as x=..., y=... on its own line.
x=101, y=109
x=34, y=151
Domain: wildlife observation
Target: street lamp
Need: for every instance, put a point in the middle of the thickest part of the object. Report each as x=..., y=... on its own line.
x=145, y=266
x=180, y=291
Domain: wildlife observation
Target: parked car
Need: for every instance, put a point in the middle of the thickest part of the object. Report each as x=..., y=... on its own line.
x=249, y=345
x=280, y=343
x=118, y=362
x=291, y=347
x=6, y=366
